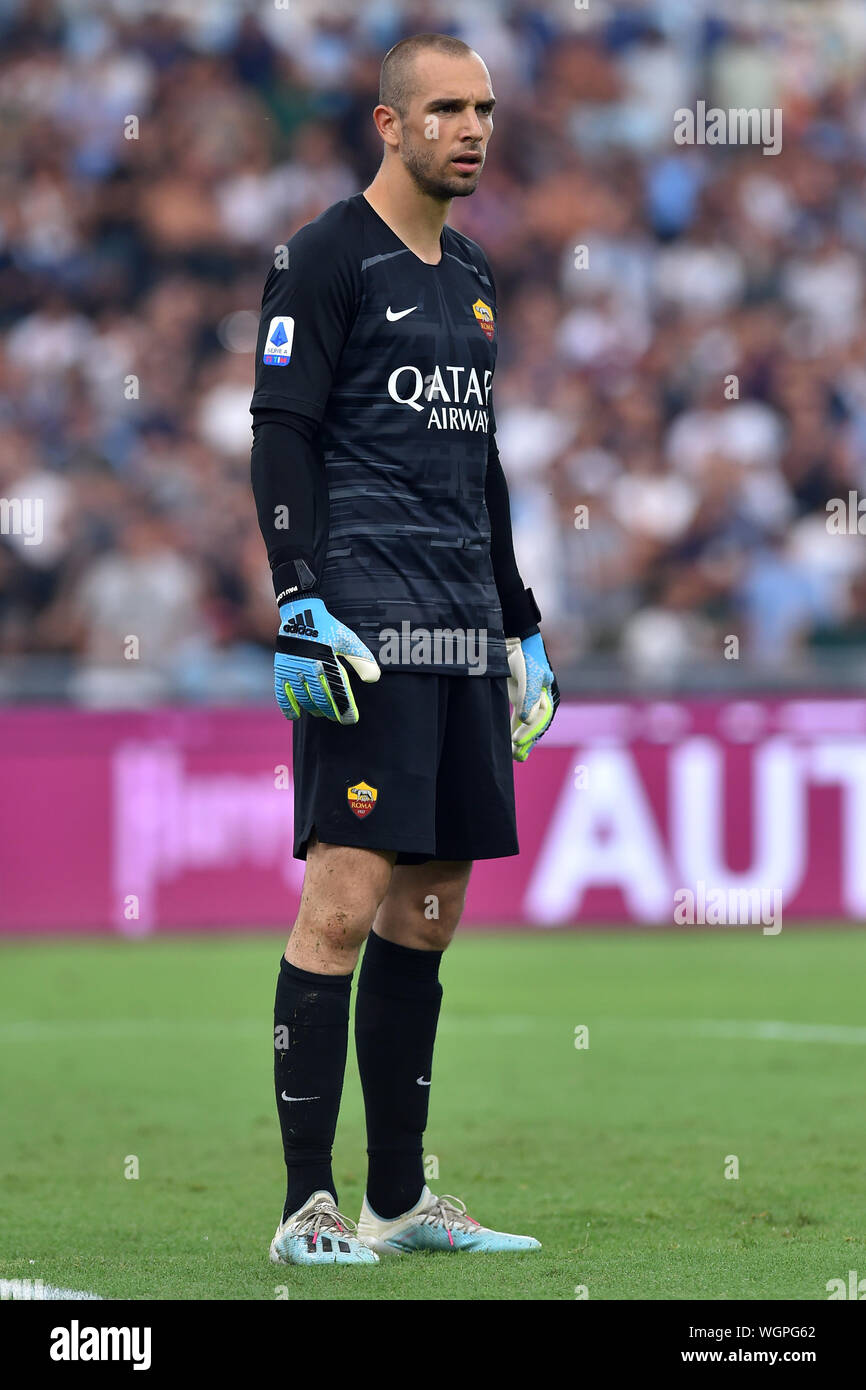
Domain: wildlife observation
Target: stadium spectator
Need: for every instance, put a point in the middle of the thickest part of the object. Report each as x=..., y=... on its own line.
x=696, y=380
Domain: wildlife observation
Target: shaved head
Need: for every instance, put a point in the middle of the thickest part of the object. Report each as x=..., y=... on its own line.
x=435, y=113
x=396, y=79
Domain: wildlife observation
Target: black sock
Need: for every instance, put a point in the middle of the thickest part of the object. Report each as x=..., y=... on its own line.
x=396, y=1013
x=311, y=1038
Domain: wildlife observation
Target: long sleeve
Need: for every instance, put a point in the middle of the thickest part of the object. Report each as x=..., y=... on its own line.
x=291, y=495
x=520, y=613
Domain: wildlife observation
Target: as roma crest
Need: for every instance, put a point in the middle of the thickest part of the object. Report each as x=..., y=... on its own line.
x=362, y=799
x=484, y=315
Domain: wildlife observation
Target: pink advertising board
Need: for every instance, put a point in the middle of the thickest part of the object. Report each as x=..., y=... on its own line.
x=181, y=819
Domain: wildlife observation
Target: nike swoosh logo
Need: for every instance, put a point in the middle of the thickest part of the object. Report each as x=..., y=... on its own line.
x=285, y=1097
x=421, y=1082
x=392, y=317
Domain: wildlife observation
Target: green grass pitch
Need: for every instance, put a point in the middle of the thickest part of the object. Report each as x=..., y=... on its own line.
x=701, y=1046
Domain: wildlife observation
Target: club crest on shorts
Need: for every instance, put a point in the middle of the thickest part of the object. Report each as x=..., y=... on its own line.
x=484, y=315
x=362, y=799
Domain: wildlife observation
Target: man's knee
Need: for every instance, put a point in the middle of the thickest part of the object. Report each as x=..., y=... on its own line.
x=424, y=903
x=343, y=888
x=432, y=934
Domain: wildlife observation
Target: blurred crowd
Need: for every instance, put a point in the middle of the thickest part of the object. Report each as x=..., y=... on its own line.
x=681, y=386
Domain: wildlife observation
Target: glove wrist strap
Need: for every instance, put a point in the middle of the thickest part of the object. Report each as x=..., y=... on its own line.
x=294, y=579
x=520, y=614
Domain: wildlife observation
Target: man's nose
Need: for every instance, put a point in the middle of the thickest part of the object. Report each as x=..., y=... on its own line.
x=472, y=127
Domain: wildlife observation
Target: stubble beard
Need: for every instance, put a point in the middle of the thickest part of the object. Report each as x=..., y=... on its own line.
x=419, y=164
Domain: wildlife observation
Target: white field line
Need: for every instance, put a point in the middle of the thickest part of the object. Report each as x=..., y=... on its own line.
x=33, y=1290
x=99, y=1029
x=767, y=1030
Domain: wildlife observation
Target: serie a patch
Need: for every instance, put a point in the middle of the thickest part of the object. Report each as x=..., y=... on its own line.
x=278, y=345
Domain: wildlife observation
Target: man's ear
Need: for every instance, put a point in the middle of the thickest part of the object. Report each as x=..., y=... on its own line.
x=388, y=125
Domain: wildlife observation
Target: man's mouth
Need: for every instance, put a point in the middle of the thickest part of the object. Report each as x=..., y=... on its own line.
x=467, y=163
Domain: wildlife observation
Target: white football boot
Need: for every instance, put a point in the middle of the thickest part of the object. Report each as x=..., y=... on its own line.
x=436, y=1223
x=317, y=1234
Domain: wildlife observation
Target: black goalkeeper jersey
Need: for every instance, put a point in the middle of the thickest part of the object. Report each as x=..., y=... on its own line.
x=393, y=359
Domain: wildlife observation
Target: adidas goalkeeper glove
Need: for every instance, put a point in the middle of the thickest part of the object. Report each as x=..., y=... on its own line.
x=533, y=692
x=308, y=672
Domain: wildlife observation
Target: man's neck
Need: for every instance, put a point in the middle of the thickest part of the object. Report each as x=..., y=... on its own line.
x=415, y=217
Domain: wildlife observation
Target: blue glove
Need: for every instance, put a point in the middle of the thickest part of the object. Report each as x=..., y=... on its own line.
x=308, y=673
x=533, y=692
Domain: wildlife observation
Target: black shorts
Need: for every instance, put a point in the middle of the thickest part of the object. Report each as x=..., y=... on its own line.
x=426, y=771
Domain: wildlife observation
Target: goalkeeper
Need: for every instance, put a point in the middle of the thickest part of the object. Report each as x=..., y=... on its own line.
x=405, y=631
